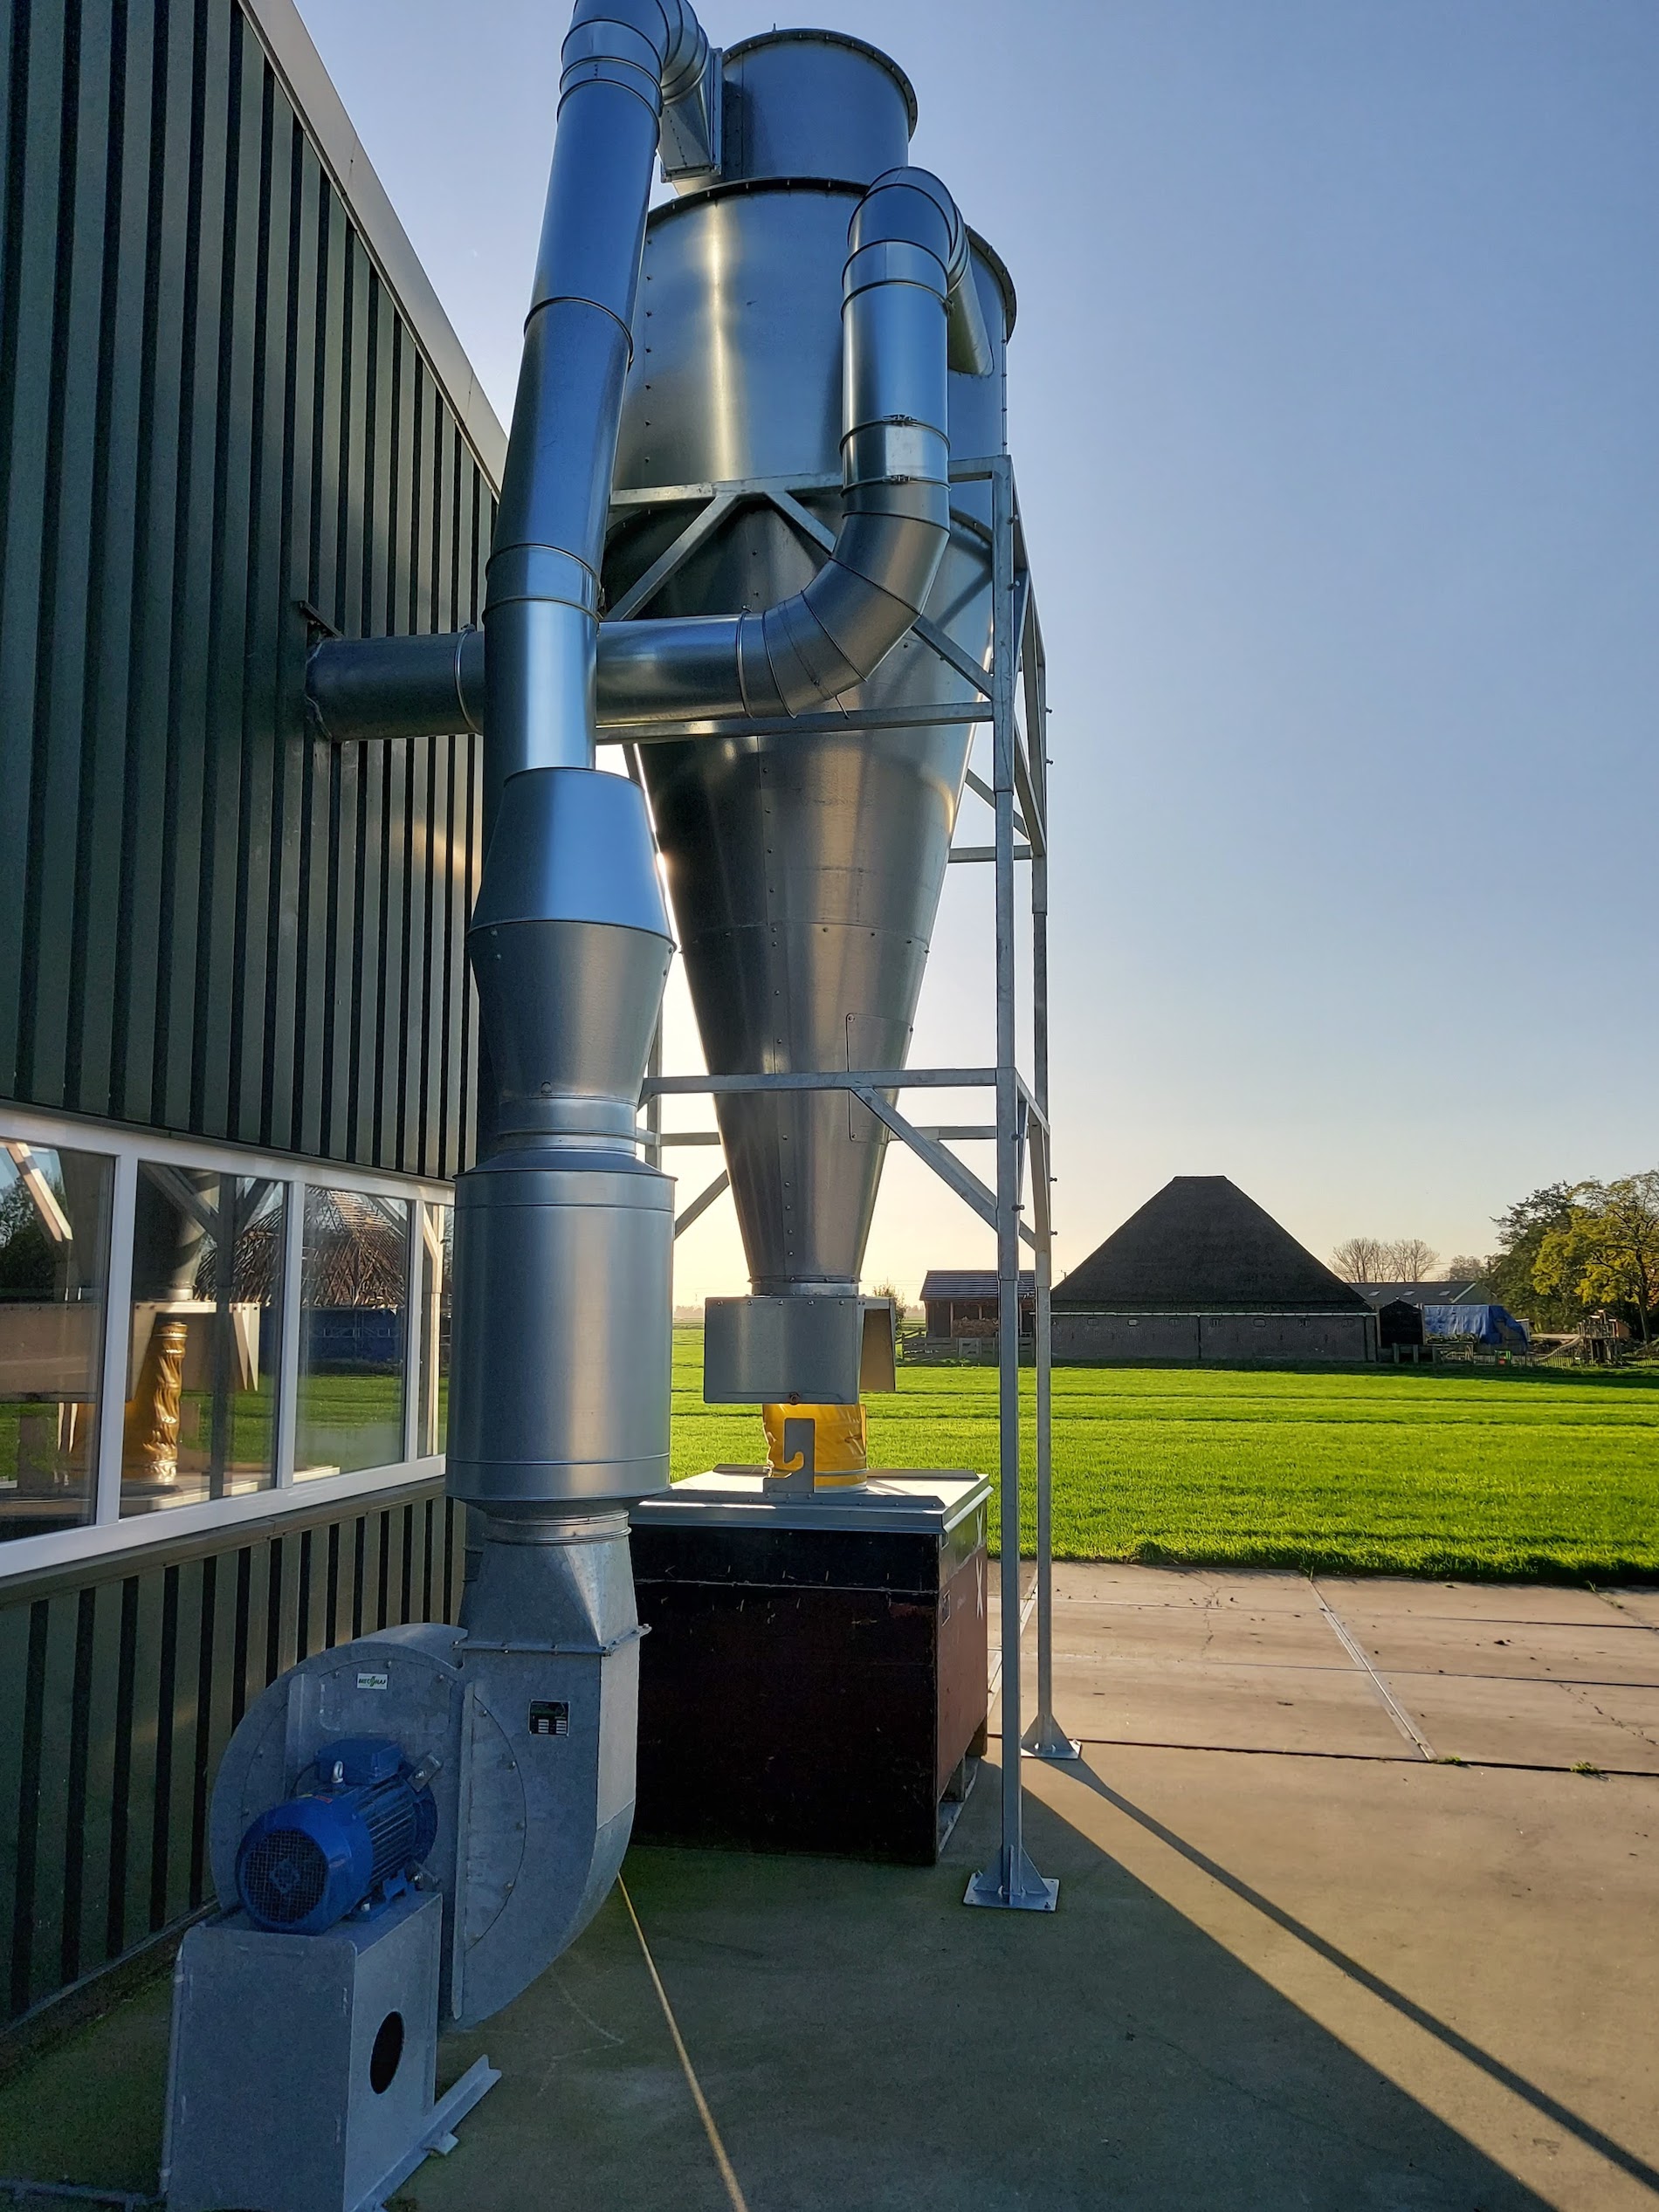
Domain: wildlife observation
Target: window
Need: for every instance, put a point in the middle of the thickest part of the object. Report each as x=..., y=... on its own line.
x=54, y=1259
x=352, y=1333
x=188, y=1329
x=204, y=1349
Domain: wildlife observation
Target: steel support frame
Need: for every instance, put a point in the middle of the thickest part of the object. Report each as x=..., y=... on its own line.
x=1018, y=798
x=1011, y=1882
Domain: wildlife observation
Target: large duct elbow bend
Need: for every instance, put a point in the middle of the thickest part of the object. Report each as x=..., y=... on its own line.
x=551, y=670
x=907, y=250
x=895, y=449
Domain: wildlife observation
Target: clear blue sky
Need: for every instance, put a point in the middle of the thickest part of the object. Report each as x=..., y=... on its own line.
x=1335, y=407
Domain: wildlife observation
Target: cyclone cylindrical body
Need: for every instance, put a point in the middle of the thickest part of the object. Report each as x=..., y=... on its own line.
x=805, y=871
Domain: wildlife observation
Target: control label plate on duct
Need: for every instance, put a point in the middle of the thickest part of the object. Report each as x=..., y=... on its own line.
x=549, y=1717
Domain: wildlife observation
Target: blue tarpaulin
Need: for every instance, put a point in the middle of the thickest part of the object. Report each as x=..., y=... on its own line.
x=1492, y=1325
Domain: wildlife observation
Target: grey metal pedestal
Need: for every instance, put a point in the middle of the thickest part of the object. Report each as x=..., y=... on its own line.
x=303, y=2066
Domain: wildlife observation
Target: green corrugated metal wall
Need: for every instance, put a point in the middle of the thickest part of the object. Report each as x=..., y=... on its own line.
x=215, y=425
x=122, y=1685
x=212, y=415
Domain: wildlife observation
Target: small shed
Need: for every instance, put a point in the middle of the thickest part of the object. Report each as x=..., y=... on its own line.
x=962, y=1302
x=1400, y=1326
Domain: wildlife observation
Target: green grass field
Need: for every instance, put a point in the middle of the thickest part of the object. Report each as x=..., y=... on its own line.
x=1421, y=1471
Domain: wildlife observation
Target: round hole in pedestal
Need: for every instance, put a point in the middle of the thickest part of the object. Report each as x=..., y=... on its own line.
x=385, y=2058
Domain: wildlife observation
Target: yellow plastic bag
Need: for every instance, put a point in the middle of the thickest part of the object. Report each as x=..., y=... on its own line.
x=842, y=1444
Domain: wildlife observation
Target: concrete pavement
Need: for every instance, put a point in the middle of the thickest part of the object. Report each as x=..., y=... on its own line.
x=1299, y=1960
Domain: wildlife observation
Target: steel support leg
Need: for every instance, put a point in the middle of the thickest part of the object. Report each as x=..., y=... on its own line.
x=1045, y=1739
x=1011, y=1882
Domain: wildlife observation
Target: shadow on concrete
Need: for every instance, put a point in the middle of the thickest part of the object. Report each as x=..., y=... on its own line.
x=1548, y=2107
x=866, y=2045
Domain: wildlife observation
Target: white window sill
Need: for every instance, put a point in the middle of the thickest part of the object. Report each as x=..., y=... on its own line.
x=26, y=1556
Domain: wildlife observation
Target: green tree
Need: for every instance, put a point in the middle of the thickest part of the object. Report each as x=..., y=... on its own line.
x=1606, y=1252
x=27, y=1258
x=1508, y=1274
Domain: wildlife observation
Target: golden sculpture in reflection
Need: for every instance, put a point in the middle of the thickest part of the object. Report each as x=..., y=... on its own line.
x=151, y=1452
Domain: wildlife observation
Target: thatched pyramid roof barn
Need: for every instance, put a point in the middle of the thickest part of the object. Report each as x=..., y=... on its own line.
x=1201, y=1272
x=1202, y=1242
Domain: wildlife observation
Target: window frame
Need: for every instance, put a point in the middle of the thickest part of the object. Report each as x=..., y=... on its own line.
x=107, y=1532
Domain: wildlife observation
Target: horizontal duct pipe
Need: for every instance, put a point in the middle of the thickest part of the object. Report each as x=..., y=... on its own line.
x=906, y=318
x=369, y=688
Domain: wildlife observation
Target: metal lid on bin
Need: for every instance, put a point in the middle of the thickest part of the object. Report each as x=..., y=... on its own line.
x=894, y=1501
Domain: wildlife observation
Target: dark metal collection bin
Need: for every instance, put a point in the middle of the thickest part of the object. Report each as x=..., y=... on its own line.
x=815, y=1677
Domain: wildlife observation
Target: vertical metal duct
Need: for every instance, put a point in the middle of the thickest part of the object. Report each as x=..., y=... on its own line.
x=626, y=62
x=559, y=1412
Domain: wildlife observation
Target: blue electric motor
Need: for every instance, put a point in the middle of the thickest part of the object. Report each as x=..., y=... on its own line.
x=354, y=1838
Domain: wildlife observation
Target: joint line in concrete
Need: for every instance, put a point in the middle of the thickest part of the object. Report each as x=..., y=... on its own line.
x=1397, y=1712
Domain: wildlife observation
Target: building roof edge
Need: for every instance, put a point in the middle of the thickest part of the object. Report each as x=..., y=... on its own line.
x=294, y=55
x=1289, y=1309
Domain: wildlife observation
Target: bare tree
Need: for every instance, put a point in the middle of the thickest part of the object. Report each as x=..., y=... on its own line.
x=1408, y=1259
x=1360, y=1260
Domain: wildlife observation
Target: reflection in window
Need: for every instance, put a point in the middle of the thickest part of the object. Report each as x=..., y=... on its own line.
x=352, y=1333
x=54, y=1248
x=202, y=1354
x=437, y=1230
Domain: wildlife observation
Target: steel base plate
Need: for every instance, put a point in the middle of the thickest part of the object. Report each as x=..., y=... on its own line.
x=1047, y=1739
x=437, y=2136
x=1028, y=1891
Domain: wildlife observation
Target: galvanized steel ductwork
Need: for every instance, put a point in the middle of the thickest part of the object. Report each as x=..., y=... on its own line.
x=625, y=62
x=910, y=310
x=559, y=1407
x=906, y=245
x=558, y=1411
